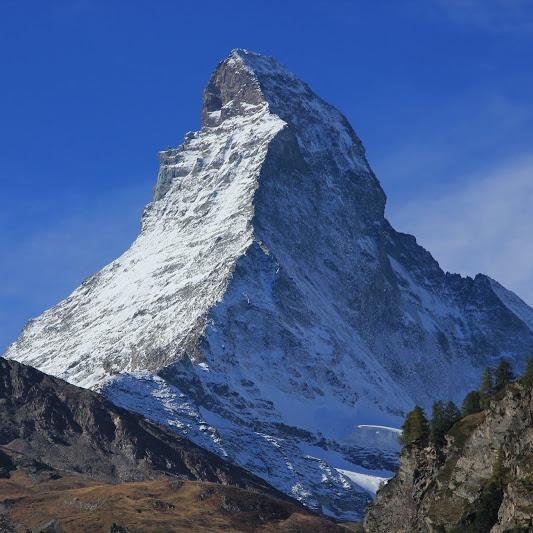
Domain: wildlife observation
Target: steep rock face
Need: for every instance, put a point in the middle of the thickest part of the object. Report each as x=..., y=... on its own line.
x=454, y=489
x=267, y=306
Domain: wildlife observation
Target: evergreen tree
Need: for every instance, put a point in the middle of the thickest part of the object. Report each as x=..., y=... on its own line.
x=452, y=414
x=438, y=423
x=503, y=375
x=443, y=417
x=527, y=378
x=471, y=403
x=415, y=426
x=486, y=389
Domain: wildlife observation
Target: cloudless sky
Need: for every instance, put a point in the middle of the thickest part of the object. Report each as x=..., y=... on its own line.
x=440, y=91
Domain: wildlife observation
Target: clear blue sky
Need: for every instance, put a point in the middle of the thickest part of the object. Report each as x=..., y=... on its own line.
x=440, y=91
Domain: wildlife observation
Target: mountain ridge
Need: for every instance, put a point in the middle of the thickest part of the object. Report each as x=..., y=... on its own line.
x=72, y=461
x=76, y=430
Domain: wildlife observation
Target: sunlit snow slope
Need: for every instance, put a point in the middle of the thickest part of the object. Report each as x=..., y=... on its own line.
x=267, y=307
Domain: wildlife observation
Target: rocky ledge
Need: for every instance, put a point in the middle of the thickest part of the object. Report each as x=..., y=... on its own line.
x=481, y=480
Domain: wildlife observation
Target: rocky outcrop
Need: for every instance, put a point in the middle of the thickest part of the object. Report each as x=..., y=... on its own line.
x=72, y=461
x=481, y=481
x=267, y=307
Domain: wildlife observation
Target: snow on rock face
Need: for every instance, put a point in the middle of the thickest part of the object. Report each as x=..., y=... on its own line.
x=267, y=307
x=149, y=306
x=380, y=437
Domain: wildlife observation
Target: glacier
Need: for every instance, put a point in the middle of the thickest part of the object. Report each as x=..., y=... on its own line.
x=268, y=310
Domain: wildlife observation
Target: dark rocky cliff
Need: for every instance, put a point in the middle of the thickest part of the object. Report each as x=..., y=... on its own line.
x=482, y=480
x=77, y=430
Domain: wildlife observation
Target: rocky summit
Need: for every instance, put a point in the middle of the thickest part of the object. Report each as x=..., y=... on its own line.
x=268, y=310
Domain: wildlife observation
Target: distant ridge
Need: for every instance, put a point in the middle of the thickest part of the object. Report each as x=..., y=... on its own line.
x=72, y=461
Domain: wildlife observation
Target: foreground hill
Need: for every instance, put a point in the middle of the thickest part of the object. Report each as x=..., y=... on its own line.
x=268, y=308
x=481, y=481
x=70, y=457
x=47, y=500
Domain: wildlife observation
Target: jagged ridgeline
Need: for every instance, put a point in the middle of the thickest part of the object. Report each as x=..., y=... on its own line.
x=267, y=308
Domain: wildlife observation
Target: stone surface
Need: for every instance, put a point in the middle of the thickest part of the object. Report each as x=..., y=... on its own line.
x=72, y=461
x=47, y=424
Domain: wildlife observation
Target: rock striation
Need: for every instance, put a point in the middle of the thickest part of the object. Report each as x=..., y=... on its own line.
x=47, y=421
x=267, y=307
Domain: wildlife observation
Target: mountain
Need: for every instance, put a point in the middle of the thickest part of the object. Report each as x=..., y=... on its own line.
x=481, y=481
x=268, y=310
x=70, y=457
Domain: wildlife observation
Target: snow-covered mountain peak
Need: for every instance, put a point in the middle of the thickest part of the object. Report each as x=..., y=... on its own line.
x=233, y=89
x=267, y=308
x=246, y=79
x=249, y=78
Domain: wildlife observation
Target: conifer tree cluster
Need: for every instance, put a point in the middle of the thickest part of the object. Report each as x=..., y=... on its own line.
x=493, y=380
x=527, y=378
x=444, y=416
x=471, y=403
x=415, y=426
